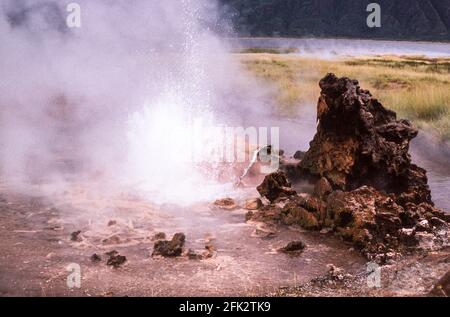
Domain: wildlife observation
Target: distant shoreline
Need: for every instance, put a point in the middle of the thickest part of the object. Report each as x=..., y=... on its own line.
x=337, y=38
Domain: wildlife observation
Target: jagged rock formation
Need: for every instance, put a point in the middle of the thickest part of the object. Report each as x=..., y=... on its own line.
x=359, y=142
x=366, y=190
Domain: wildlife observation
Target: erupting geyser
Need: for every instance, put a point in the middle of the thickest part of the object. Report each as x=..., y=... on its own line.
x=136, y=109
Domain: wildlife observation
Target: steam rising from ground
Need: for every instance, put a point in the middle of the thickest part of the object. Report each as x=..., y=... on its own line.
x=102, y=99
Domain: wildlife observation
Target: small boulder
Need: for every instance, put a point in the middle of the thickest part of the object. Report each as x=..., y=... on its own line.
x=95, y=258
x=293, y=247
x=76, y=236
x=170, y=248
x=112, y=223
x=253, y=204
x=226, y=203
x=193, y=255
x=276, y=185
x=159, y=236
x=115, y=259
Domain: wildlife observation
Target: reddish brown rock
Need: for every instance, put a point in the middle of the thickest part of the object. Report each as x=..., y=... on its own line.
x=226, y=203
x=292, y=213
x=253, y=204
x=276, y=185
x=359, y=142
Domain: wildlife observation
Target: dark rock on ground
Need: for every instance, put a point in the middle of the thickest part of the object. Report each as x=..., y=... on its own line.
x=75, y=236
x=95, y=258
x=112, y=223
x=276, y=185
x=115, y=259
x=170, y=248
x=159, y=236
x=293, y=247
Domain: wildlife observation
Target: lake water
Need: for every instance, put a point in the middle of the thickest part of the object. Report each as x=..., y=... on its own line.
x=329, y=48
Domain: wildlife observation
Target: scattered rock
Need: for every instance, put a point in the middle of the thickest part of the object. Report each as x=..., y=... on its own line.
x=276, y=185
x=210, y=249
x=442, y=287
x=192, y=255
x=336, y=273
x=253, y=204
x=159, y=236
x=293, y=247
x=226, y=203
x=299, y=155
x=75, y=236
x=170, y=248
x=206, y=254
x=112, y=223
x=95, y=258
x=115, y=259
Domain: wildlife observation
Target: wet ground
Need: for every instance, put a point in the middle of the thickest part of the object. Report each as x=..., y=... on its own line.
x=36, y=248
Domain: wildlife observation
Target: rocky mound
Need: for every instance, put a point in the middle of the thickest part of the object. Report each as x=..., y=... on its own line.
x=359, y=142
x=366, y=188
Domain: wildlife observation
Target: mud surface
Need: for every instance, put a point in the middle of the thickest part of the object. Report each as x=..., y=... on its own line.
x=36, y=248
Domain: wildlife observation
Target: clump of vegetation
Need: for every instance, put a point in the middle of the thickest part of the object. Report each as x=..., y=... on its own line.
x=416, y=87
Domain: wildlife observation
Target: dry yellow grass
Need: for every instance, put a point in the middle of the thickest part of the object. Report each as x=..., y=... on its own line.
x=418, y=88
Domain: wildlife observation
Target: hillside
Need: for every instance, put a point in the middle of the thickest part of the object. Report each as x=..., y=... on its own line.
x=406, y=19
